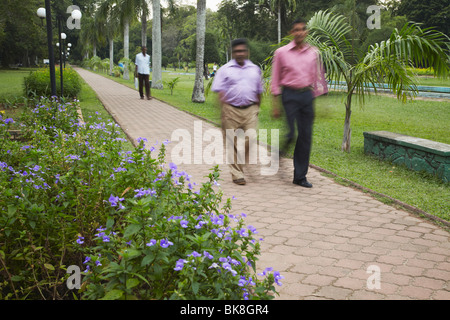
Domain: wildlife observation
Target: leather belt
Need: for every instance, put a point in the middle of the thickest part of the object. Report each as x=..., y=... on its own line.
x=242, y=107
x=304, y=89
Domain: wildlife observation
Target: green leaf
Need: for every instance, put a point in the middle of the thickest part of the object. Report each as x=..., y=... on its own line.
x=131, y=283
x=131, y=229
x=109, y=223
x=195, y=287
x=16, y=278
x=147, y=259
x=11, y=210
x=113, y=295
x=49, y=266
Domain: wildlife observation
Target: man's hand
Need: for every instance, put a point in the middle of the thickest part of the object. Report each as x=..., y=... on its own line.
x=276, y=108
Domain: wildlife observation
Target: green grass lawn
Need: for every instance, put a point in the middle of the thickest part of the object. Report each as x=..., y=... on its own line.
x=427, y=119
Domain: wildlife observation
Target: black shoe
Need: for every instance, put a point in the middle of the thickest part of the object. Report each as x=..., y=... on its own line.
x=303, y=183
x=240, y=181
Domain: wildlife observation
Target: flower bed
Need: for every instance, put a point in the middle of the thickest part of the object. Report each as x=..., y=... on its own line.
x=137, y=228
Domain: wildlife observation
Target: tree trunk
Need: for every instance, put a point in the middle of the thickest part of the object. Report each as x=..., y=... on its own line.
x=279, y=21
x=347, y=129
x=126, y=48
x=144, y=26
x=198, y=95
x=94, y=49
x=156, y=46
x=111, y=56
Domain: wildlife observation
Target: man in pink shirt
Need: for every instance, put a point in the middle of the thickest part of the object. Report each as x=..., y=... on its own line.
x=239, y=85
x=298, y=77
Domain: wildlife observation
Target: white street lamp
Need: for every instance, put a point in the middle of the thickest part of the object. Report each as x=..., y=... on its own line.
x=41, y=13
x=76, y=14
x=63, y=36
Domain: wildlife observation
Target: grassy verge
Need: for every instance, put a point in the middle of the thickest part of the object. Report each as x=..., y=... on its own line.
x=11, y=89
x=420, y=118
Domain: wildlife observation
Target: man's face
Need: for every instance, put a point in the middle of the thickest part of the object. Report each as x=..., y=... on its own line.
x=240, y=53
x=299, y=32
x=144, y=50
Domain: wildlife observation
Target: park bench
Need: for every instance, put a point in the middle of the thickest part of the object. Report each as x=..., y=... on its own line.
x=415, y=153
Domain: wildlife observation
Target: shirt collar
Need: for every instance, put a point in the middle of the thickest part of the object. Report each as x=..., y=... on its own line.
x=235, y=64
x=291, y=45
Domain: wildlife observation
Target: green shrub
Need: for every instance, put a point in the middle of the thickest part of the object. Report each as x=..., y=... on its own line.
x=38, y=83
x=137, y=227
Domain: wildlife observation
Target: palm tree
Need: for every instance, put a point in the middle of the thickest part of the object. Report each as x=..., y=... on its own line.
x=386, y=61
x=156, y=47
x=92, y=33
x=198, y=94
x=126, y=11
x=143, y=6
x=111, y=22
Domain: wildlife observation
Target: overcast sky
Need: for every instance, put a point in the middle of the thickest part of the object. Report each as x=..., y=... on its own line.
x=211, y=4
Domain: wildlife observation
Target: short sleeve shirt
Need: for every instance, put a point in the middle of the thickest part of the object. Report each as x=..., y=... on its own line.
x=240, y=85
x=143, y=63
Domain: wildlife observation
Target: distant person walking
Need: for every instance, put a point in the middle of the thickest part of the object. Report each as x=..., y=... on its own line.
x=239, y=85
x=142, y=72
x=298, y=77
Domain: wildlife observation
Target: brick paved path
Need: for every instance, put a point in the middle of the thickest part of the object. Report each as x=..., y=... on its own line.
x=324, y=239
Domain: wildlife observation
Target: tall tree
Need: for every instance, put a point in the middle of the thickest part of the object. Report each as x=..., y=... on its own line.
x=111, y=22
x=127, y=13
x=275, y=6
x=156, y=46
x=198, y=94
x=432, y=13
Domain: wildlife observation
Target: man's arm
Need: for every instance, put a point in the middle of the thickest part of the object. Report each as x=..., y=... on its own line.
x=275, y=86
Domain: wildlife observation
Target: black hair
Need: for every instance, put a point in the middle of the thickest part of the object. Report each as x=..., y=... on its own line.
x=239, y=41
x=297, y=21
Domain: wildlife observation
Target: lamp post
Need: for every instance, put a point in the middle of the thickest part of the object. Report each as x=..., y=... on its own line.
x=46, y=13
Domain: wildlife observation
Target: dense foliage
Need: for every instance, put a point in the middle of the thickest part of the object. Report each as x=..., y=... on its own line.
x=37, y=83
x=136, y=227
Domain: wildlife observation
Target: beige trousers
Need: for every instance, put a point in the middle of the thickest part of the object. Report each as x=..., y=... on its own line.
x=235, y=118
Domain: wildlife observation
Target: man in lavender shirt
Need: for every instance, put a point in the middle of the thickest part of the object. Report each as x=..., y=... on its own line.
x=239, y=87
x=298, y=77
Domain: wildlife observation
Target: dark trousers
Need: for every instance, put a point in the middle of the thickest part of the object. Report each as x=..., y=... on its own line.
x=144, y=80
x=299, y=109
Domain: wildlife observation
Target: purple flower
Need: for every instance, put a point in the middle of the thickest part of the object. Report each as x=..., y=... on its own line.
x=184, y=223
x=115, y=201
x=277, y=277
x=165, y=243
x=80, y=240
x=252, y=229
x=195, y=254
x=172, y=166
x=151, y=243
x=265, y=271
x=180, y=264
x=208, y=255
